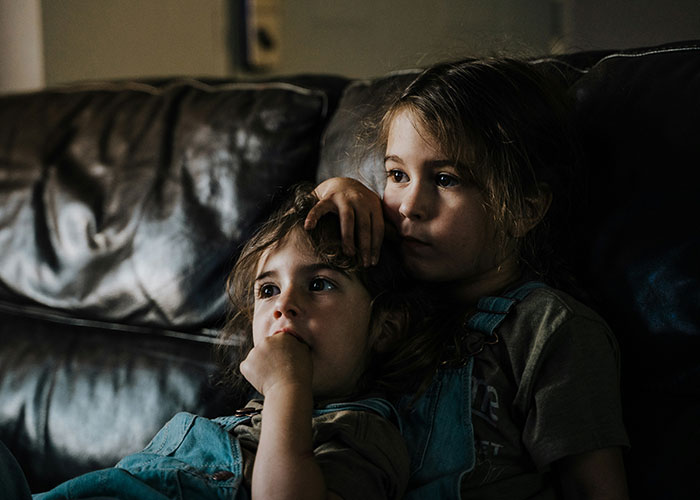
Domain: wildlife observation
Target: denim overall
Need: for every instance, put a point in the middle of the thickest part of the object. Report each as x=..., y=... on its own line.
x=191, y=457
x=438, y=426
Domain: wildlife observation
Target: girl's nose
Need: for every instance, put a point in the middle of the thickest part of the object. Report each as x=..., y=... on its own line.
x=415, y=204
x=287, y=305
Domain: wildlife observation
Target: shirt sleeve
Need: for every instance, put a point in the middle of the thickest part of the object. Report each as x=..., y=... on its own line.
x=575, y=398
x=362, y=455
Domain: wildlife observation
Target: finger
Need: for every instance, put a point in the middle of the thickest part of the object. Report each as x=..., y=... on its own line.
x=377, y=228
x=363, y=229
x=326, y=186
x=347, y=229
x=317, y=211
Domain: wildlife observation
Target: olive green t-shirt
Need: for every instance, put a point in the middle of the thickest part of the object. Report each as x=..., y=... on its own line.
x=362, y=454
x=547, y=389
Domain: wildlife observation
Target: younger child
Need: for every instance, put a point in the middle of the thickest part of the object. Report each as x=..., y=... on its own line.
x=478, y=158
x=318, y=331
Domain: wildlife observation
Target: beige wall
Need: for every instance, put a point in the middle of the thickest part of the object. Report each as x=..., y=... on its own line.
x=98, y=39
x=94, y=39
x=370, y=37
x=21, y=47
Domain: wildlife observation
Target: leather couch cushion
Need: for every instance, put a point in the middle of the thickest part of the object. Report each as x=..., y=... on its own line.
x=77, y=397
x=126, y=203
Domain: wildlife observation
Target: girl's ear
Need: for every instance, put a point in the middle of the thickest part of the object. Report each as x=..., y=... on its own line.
x=534, y=211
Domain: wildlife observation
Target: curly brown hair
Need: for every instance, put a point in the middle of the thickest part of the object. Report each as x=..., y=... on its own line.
x=399, y=307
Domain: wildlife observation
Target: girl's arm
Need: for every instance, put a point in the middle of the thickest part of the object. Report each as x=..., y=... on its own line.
x=360, y=212
x=598, y=474
x=285, y=467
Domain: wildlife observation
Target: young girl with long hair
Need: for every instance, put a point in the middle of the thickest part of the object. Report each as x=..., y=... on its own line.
x=480, y=160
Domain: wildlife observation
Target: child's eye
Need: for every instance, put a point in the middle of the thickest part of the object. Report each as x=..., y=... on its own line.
x=446, y=180
x=268, y=290
x=397, y=175
x=321, y=285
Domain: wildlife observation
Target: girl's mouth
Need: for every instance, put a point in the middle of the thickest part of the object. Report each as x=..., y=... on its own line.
x=412, y=242
x=294, y=334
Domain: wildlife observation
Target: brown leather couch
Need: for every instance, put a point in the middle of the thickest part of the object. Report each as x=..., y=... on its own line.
x=123, y=204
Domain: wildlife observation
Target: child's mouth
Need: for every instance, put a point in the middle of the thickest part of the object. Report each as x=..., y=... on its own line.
x=414, y=243
x=294, y=334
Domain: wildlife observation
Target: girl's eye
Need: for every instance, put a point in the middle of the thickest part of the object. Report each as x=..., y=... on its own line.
x=321, y=285
x=446, y=180
x=397, y=175
x=268, y=290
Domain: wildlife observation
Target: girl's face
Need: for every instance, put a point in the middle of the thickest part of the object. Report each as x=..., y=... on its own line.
x=446, y=232
x=325, y=308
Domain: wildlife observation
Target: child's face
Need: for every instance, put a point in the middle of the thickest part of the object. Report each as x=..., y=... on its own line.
x=447, y=234
x=325, y=308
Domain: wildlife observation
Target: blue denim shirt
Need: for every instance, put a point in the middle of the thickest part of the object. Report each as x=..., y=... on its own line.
x=174, y=465
x=191, y=457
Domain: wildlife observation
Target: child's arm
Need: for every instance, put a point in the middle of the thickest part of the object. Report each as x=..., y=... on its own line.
x=360, y=212
x=280, y=368
x=599, y=475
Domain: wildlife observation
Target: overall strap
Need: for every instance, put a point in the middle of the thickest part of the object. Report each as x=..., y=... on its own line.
x=244, y=415
x=375, y=404
x=491, y=311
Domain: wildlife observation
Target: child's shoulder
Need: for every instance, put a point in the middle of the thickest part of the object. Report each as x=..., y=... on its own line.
x=547, y=299
x=547, y=312
x=549, y=324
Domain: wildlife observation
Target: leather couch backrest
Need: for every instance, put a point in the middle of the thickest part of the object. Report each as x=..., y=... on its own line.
x=640, y=249
x=126, y=202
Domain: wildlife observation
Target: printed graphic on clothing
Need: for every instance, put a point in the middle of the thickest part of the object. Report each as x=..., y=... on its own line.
x=485, y=401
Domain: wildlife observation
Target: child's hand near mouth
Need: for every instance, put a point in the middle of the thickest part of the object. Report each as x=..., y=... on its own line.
x=283, y=357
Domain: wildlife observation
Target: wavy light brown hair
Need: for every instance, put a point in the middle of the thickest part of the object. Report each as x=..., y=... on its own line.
x=507, y=125
x=398, y=306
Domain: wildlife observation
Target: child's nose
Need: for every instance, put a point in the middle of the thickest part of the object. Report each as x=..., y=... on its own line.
x=287, y=305
x=415, y=203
